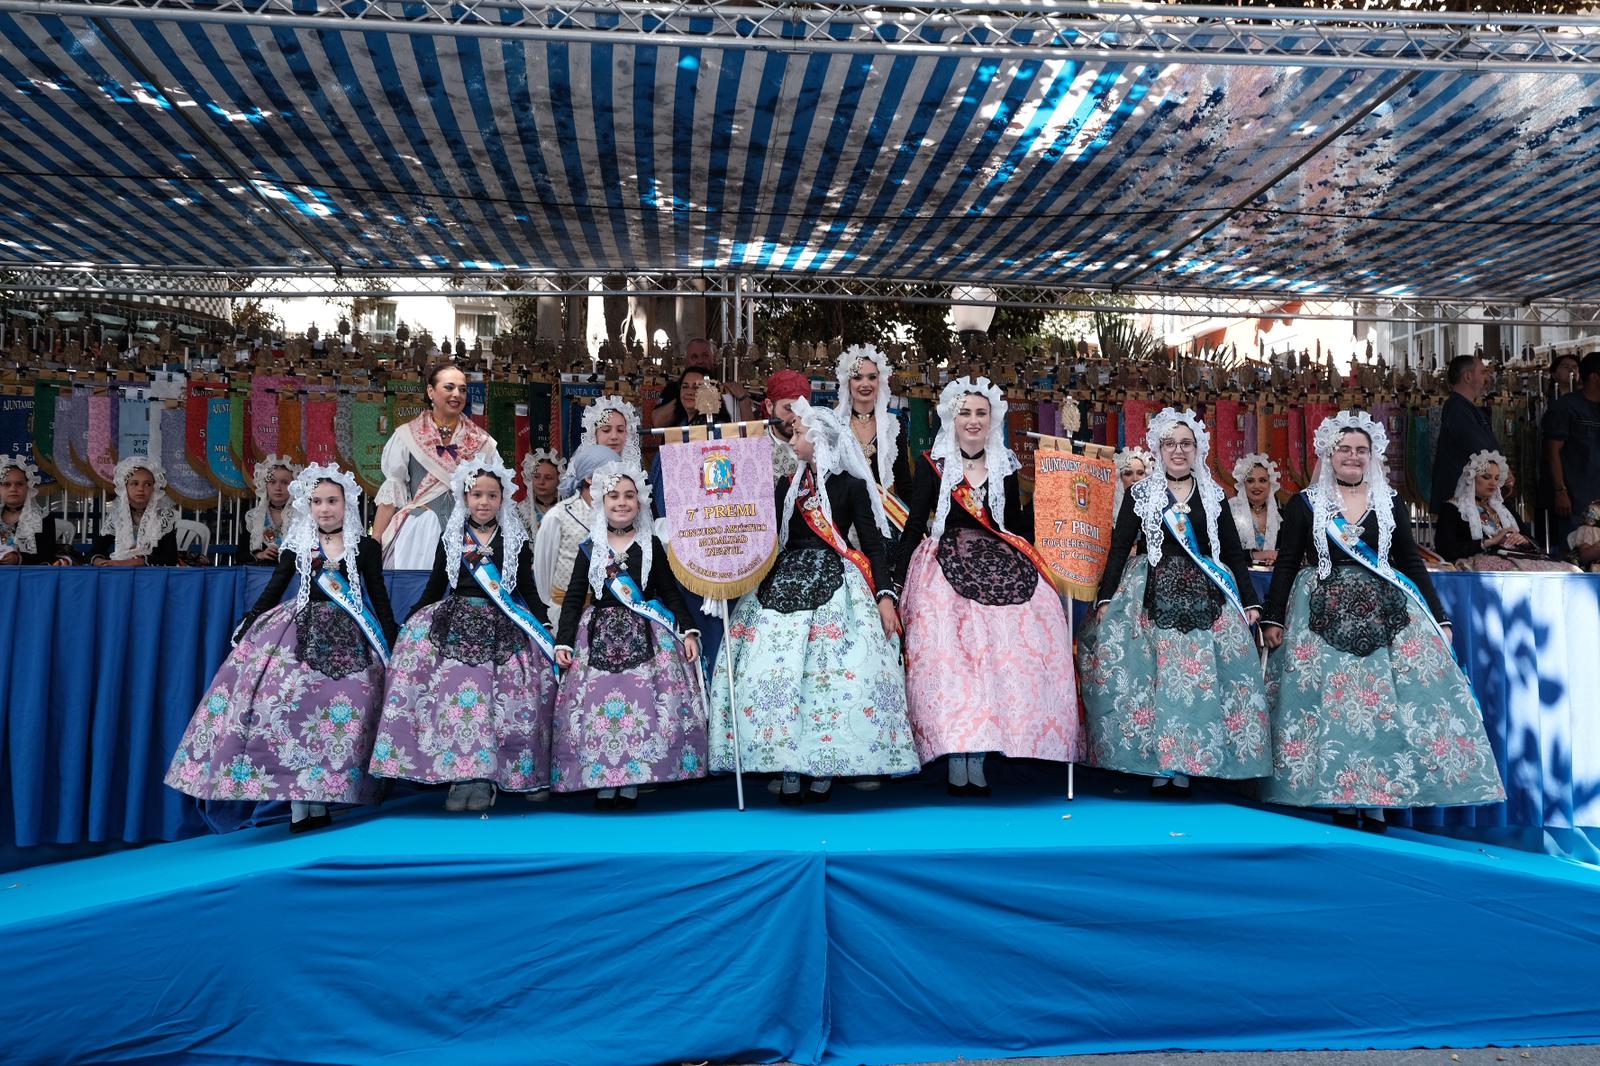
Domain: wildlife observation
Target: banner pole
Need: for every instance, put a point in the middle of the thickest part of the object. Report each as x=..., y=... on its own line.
x=733, y=710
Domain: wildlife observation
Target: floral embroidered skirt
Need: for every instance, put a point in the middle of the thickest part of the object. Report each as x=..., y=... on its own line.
x=1163, y=701
x=468, y=698
x=629, y=711
x=987, y=676
x=1397, y=727
x=289, y=715
x=820, y=688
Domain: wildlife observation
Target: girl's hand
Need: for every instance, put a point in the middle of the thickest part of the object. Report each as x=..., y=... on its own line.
x=564, y=658
x=1272, y=637
x=889, y=617
x=691, y=648
x=1100, y=612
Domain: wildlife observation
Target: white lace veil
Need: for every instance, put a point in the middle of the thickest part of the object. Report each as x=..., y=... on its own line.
x=1466, y=494
x=302, y=536
x=600, y=555
x=513, y=533
x=1240, y=504
x=1124, y=459
x=1325, y=499
x=1150, y=495
x=30, y=523
x=160, y=517
x=888, y=426
x=602, y=407
x=836, y=451
x=1001, y=461
x=255, y=519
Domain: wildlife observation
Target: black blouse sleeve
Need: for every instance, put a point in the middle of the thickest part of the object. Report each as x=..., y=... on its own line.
x=859, y=509
x=924, y=496
x=901, y=471
x=369, y=563
x=1124, y=535
x=1294, y=540
x=1236, y=559
x=577, y=598
x=1019, y=519
x=1404, y=557
x=165, y=553
x=277, y=584
x=44, y=542
x=664, y=587
x=525, y=586
x=438, y=581
x=1452, y=536
x=103, y=546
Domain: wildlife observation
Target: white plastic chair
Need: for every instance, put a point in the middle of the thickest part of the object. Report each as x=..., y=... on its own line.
x=191, y=533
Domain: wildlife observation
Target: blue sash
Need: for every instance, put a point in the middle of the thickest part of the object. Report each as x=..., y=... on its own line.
x=631, y=596
x=487, y=575
x=1347, y=537
x=1220, y=576
x=332, y=582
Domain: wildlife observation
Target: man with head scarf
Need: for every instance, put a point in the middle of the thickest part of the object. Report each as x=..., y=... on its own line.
x=783, y=389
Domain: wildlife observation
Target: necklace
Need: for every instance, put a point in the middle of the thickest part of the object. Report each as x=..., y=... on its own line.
x=1182, y=480
x=482, y=527
x=975, y=458
x=868, y=417
x=1347, y=484
x=446, y=433
x=618, y=532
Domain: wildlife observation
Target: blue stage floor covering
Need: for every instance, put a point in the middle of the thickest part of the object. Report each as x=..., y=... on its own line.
x=897, y=926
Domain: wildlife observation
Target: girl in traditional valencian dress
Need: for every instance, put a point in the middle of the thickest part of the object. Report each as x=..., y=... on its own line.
x=290, y=714
x=629, y=711
x=1171, y=675
x=144, y=523
x=566, y=527
x=27, y=536
x=1369, y=709
x=816, y=649
x=267, y=522
x=471, y=684
x=542, y=470
x=988, y=645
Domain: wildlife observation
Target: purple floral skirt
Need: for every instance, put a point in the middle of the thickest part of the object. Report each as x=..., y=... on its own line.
x=468, y=698
x=273, y=726
x=632, y=725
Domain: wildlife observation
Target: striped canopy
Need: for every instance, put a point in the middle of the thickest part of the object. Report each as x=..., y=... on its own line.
x=247, y=147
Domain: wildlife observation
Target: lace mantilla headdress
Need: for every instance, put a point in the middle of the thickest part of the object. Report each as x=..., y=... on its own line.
x=1124, y=459
x=302, y=537
x=1466, y=494
x=888, y=426
x=596, y=412
x=1001, y=461
x=836, y=451
x=513, y=533
x=255, y=519
x=160, y=517
x=530, y=463
x=600, y=554
x=1324, y=498
x=1240, y=504
x=30, y=523
x=1150, y=495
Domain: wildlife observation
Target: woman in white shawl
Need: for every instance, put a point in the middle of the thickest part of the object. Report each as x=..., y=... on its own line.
x=144, y=522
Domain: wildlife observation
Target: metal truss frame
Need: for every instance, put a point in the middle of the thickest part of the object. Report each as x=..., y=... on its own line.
x=43, y=286
x=1132, y=32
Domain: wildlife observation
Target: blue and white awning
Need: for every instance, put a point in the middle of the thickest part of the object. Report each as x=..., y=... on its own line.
x=251, y=147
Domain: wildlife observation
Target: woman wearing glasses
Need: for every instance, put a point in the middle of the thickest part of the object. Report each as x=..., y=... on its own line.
x=1171, y=677
x=1369, y=709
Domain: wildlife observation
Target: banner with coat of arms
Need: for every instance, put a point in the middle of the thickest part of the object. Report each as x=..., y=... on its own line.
x=719, y=505
x=1072, y=499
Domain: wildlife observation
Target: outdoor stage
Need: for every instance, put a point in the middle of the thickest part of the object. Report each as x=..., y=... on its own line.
x=899, y=926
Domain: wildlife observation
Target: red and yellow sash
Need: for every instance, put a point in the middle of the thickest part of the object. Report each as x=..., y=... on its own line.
x=811, y=510
x=969, y=501
x=894, y=508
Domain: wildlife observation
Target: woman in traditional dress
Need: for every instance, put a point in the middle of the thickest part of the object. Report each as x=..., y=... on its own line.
x=1133, y=466
x=864, y=375
x=613, y=422
x=566, y=527
x=291, y=713
x=1477, y=531
x=988, y=646
x=267, y=522
x=418, y=463
x=27, y=537
x=1369, y=709
x=144, y=522
x=471, y=684
x=542, y=470
x=816, y=649
x=1171, y=676
x=1255, y=507
x=629, y=711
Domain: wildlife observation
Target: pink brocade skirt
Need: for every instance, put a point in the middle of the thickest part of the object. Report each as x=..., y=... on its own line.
x=985, y=678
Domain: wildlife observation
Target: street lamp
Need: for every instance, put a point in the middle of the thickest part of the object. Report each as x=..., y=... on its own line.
x=969, y=316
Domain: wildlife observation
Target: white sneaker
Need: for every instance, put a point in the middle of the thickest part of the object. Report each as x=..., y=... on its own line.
x=866, y=784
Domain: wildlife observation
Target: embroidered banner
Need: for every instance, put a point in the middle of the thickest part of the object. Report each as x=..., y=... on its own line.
x=71, y=440
x=169, y=442
x=222, y=465
x=1072, y=498
x=133, y=423
x=719, y=505
x=16, y=420
x=321, y=436
x=576, y=394
x=370, y=429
